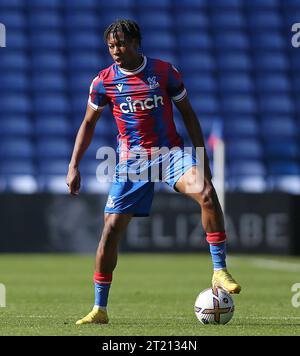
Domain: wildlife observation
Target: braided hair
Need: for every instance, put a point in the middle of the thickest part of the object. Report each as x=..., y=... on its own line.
x=130, y=29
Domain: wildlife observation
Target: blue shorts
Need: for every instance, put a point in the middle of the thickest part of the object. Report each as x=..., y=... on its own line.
x=132, y=189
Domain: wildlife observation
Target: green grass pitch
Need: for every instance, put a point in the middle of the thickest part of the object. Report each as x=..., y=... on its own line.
x=151, y=295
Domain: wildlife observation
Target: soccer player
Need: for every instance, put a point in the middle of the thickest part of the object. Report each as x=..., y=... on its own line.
x=140, y=91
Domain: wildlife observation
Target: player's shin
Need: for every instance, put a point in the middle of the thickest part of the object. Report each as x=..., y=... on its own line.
x=217, y=246
x=102, y=283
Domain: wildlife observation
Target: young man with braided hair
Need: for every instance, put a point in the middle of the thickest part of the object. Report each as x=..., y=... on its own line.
x=140, y=91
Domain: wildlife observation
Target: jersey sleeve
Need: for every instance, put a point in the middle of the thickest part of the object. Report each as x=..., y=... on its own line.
x=176, y=89
x=97, y=98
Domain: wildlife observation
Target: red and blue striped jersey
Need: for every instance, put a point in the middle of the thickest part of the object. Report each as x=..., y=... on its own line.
x=141, y=103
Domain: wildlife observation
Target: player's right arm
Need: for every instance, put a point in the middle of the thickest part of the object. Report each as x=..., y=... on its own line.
x=82, y=142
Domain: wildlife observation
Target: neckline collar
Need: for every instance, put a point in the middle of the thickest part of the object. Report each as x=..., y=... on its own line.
x=136, y=70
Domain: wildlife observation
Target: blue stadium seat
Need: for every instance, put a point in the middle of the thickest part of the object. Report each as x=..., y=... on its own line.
x=197, y=61
x=270, y=61
x=262, y=4
x=204, y=104
x=119, y=4
x=17, y=148
x=289, y=184
x=51, y=103
x=268, y=40
x=47, y=40
x=241, y=127
x=13, y=60
x=82, y=20
x=293, y=4
x=44, y=20
x=225, y=4
x=282, y=149
x=17, y=167
x=276, y=126
x=83, y=40
x=159, y=40
x=234, y=61
x=79, y=102
x=247, y=168
x=89, y=60
x=107, y=17
x=194, y=41
x=49, y=82
x=53, y=167
x=273, y=83
x=236, y=83
x=58, y=148
x=191, y=20
x=10, y=4
x=52, y=125
x=14, y=81
x=190, y=5
x=14, y=103
x=250, y=148
x=238, y=103
x=45, y=4
x=16, y=39
x=82, y=82
x=13, y=19
x=154, y=5
x=204, y=82
x=266, y=20
x=231, y=40
x=15, y=126
x=53, y=184
x=155, y=19
x=168, y=56
x=21, y=184
x=51, y=61
x=228, y=20
x=276, y=104
x=81, y=4
x=296, y=83
x=283, y=168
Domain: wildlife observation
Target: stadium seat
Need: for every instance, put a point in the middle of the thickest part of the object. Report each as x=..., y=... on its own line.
x=48, y=61
x=204, y=104
x=262, y=4
x=247, y=168
x=16, y=148
x=159, y=20
x=21, y=184
x=238, y=103
x=52, y=81
x=194, y=41
x=228, y=20
x=276, y=104
x=16, y=39
x=44, y=20
x=288, y=184
x=45, y=4
x=11, y=4
x=190, y=20
x=78, y=20
x=52, y=125
x=51, y=103
x=13, y=19
x=234, y=61
x=283, y=168
x=58, y=148
x=231, y=40
x=53, y=184
x=13, y=60
x=17, y=167
x=282, y=149
x=53, y=167
x=267, y=40
x=83, y=40
x=224, y=4
x=159, y=40
x=235, y=83
x=85, y=61
x=14, y=81
x=14, y=103
x=270, y=61
x=197, y=62
x=82, y=81
x=81, y=4
x=168, y=56
x=241, y=127
x=248, y=148
x=276, y=126
x=266, y=20
x=273, y=83
x=121, y=4
x=248, y=184
x=191, y=5
x=200, y=83
x=16, y=126
x=47, y=40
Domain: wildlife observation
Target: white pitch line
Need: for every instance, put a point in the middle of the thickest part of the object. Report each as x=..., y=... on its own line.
x=269, y=264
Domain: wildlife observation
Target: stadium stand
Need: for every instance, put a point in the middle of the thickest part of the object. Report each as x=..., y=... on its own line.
x=237, y=64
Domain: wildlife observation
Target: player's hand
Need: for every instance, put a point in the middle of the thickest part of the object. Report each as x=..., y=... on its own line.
x=73, y=180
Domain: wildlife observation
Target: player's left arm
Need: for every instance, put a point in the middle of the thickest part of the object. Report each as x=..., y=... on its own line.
x=194, y=129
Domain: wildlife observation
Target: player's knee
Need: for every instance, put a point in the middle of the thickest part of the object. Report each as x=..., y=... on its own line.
x=206, y=199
